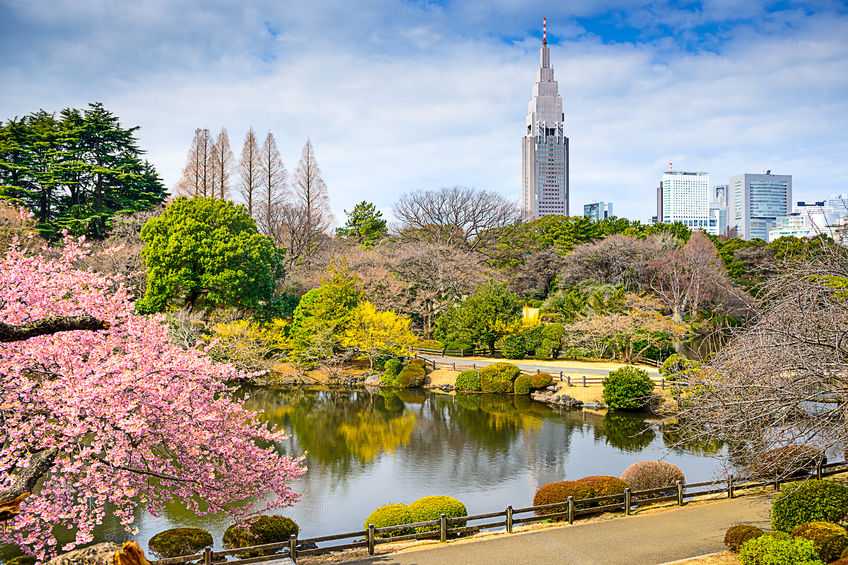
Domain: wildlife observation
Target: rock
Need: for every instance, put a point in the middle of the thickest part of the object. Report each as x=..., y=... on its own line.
x=372, y=380
x=552, y=388
x=595, y=405
x=446, y=387
x=556, y=399
x=98, y=554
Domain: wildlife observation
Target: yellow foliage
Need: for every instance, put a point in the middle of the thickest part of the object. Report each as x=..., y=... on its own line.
x=246, y=344
x=530, y=316
x=374, y=332
x=371, y=435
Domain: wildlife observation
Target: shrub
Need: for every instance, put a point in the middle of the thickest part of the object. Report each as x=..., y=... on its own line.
x=778, y=550
x=737, y=535
x=645, y=475
x=468, y=381
x=551, y=342
x=392, y=367
x=576, y=353
x=809, y=501
x=432, y=507
x=540, y=381
x=830, y=539
x=513, y=346
x=390, y=515
x=258, y=531
x=628, y=388
x=587, y=487
x=412, y=375
x=522, y=384
x=179, y=541
x=498, y=377
x=21, y=560
x=788, y=461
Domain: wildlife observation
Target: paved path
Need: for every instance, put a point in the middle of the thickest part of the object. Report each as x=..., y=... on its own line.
x=465, y=362
x=652, y=538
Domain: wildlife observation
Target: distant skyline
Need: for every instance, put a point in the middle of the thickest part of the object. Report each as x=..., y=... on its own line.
x=406, y=95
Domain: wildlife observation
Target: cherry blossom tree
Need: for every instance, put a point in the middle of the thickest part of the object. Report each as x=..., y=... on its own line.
x=100, y=411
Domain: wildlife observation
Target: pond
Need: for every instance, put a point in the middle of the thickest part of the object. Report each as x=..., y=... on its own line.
x=365, y=449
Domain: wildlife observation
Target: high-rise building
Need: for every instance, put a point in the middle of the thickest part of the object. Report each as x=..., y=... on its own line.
x=598, y=210
x=755, y=201
x=718, y=210
x=810, y=219
x=684, y=197
x=545, y=146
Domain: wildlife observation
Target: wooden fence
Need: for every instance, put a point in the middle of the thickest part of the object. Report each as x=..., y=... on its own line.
x=582, y=380
x=445, y=527
x=498, y=354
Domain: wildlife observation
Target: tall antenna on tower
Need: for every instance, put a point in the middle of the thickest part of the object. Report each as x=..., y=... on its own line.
x=669, y=167
x=544, y=30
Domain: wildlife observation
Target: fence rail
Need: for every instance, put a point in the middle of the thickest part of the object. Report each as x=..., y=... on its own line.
x=498, y=354
x=568, y=511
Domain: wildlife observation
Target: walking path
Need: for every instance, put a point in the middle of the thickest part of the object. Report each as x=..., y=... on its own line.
x=652, y=538
x=571, y=367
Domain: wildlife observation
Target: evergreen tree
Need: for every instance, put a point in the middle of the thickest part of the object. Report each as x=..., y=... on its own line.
x=365, y=225
x=75, y=171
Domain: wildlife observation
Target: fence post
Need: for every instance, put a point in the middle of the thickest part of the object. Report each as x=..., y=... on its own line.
x=680, y=493
x=560, y=376
x=627, y=500
x=538, y=370
x=443, y=528
x=777, y=484
x=819, y=470
x=662, y=383
x=570, y=509
x=584, y=380
x=454, y=365
x=474, y=366
x=509, y=519
x=370, y=539
x=293, y=547
x=207, y=556
x=730, y=486
x=569, y=380
x=434, y=364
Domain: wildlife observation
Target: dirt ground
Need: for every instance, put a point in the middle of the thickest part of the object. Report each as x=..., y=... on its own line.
x=721, y=558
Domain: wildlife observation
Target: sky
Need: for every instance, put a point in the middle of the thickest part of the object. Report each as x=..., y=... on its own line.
x=403, y=95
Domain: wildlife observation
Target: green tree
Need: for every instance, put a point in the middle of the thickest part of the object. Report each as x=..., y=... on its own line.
x=628, y=388
x=365, y=225
x=75, y=171
x=207, y=252
x=492, y=311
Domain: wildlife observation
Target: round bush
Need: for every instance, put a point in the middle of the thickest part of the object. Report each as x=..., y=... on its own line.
x=737, y=535
x=809, y=501
x=392, y=367
x=628, y=388
x=498, y=377
x=778, y=550
x=468, y=381
x=513, y=346
x=646, y=475
x=830, y=539
x=587, y=487
x=412, y=375
x=432, y=507
x=788, y=461
x=258, y=531
x=522, y=384
x=540, y=381
x=179, y=541
x=390, y=515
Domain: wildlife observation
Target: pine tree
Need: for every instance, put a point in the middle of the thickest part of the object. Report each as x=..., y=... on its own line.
x=249, y=167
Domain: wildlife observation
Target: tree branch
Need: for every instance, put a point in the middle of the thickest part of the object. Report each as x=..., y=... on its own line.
x=23, y=481
x=49, y=326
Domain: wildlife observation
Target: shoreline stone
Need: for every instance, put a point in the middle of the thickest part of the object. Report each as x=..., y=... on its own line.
x=556, y=399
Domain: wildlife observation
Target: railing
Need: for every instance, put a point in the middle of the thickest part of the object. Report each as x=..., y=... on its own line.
x=445, y=527
x=582, y=380
x=498, y=354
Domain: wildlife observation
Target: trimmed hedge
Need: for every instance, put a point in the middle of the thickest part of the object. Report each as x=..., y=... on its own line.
x=432, y=507
x=540, y=381
x=498, y=377
x=628, y=388
x=830, y=539
x=646, y=475
x=587, y=487
x=390, y=515
x=258, y=531
x=179, y=541
x=468, y=381
x=513, y=346
x=778, y=550
x=736, y=536
x=523, y=384
x=788, y=461
x=413, y=374
x=809, y=501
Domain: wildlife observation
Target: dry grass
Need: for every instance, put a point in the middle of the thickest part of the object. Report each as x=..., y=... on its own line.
x=722, y=558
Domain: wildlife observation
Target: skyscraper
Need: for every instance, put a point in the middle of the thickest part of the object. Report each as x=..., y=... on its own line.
x=684, y=197
x=755, y=201
x=597, y=211
x=545, y=146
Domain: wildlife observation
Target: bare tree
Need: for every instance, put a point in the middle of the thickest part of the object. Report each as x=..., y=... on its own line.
x=221, y=166
x=458, y=216
x=249, y=166
x=196, y=180
x=617, y=260
x=272, y=189
x=783, y=380
x=308, y=216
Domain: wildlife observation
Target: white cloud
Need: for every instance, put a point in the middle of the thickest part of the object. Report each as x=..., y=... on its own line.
x=430, y=95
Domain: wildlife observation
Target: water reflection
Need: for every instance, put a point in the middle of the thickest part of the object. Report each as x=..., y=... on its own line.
x=364, y=449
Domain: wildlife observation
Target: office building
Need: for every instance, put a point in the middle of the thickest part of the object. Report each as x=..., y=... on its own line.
x=684, y=197
x=598, y=210
x=755, y=201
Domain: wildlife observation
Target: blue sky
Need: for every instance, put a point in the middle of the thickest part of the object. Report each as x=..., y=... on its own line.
x=400, y=96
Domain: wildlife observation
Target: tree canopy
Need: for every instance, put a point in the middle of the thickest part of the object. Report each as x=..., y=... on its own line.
x=75, y=171
x=207, y=252
x=365, y=225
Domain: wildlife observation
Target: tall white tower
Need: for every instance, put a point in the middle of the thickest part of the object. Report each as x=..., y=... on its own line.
x=545, y=146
